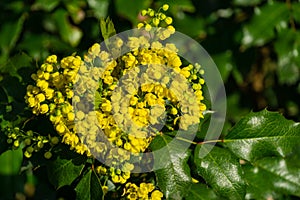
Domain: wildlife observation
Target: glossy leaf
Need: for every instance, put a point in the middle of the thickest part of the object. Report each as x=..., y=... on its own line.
x=63, y=171
x=261, y=27
x=272, y=176
x=222, y=171
x=263, y=134
x=201, y=192
x=89, y=187
x=174, y=179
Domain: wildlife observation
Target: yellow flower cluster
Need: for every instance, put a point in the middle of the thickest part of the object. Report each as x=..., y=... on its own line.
x=146, y=191
x=109, y=107
x=52, y=94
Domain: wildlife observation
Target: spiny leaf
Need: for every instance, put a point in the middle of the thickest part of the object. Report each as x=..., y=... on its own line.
x=222, y=171
x=271, y=176
x=63, y=171
x=174, y=179
x=89, y=187
x=262, y=134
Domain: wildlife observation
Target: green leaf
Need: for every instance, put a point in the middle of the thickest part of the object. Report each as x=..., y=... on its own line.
x=98, y=99
x=64, y=170
x=201, y=192
x=69, y=33
x=100, y=7
x=130, y=10
x=15, y=63
x=47, y=5
x=224, y=63
x=9, y=34
x=263, y=134
x=174, y=179
x=177, y=6
x=222, y=171
x=271, y=176
x=260, y=30
x=11, y=161
x=287, y=47
x=296, y=11
x=246, y=2
x=89, y=187
x=107, y=28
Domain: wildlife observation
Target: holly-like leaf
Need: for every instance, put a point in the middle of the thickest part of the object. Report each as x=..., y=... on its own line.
x=201, y=192
x=272, y=176
x=263, y=134
x=261, y=27
x=89, y=187
x=63, y=171
x=174, y=178
x=222, y=171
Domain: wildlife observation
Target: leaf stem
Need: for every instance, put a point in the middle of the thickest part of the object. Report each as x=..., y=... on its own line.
x=199, y=143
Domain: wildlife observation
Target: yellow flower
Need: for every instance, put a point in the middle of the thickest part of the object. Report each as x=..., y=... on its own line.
x=44, y=108
x=156, y=195
x=51, y=59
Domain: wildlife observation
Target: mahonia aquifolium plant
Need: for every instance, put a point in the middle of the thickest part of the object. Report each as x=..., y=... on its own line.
x=53, y=95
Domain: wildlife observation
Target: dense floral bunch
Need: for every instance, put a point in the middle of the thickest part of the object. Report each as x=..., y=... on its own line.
x=115, y=101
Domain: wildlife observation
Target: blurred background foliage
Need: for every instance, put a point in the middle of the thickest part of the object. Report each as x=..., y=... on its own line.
x=255, y=44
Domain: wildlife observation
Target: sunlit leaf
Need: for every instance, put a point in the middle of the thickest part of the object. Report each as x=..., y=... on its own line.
x=100, y=7
x=262, y=134
x=261, y=28
x=246, y=2
x=67, y=31
x=287, y=47
x=222, y=171
x=272, y=176
x=174, y=179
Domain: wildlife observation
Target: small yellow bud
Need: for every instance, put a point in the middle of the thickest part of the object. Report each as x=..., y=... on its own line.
x=16, y=143
x=144, y=12
x=148, y=27
x=155, y=21
x=174, y=111
x=165, y=7
x=54, y=140
x=140, y=25
x=48, y=155
x=168, y=20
